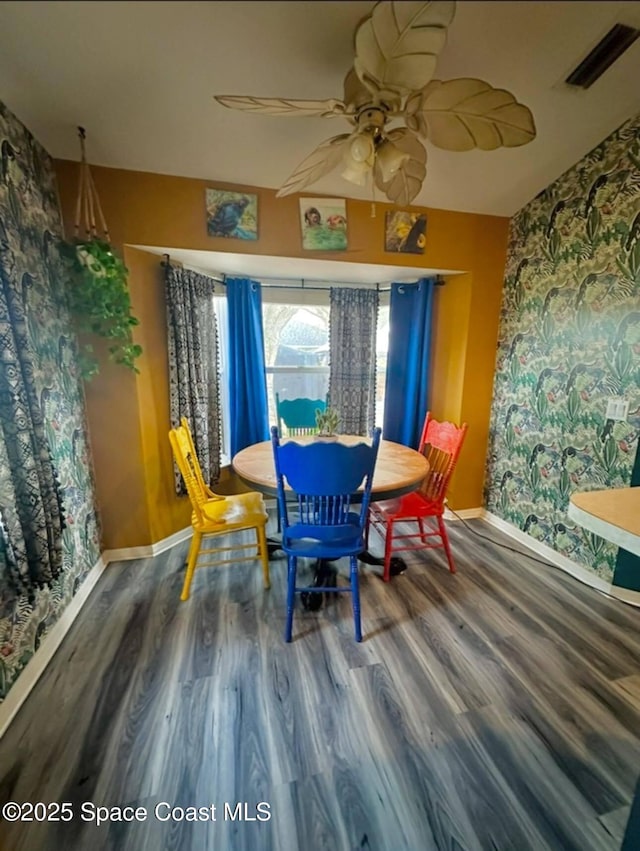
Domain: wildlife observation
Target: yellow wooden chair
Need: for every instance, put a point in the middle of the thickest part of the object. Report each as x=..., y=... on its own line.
x=184, y=422
x=214, y=515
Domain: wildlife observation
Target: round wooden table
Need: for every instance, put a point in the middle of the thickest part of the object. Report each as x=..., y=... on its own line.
x=398, y=470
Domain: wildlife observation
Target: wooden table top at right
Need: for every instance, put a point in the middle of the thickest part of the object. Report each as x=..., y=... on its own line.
x=612, y=514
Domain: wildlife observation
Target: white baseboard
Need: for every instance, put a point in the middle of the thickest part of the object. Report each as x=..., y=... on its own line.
x=35, y=667
x=627, y=595
x=549, y=554
x=149, y=550
x=464, y=514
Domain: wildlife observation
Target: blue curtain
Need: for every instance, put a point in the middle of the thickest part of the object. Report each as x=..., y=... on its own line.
x=407, y=379
x=247, y=380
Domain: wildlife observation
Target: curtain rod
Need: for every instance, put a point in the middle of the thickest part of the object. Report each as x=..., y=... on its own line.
x=301, y=284
x=298, y=283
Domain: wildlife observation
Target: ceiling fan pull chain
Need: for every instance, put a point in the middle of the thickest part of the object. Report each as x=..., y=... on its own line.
x=373, y=196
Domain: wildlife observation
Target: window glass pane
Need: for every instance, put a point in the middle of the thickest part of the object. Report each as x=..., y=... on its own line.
x=296, y=342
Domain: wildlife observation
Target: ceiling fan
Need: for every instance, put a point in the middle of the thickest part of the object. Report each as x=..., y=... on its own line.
x=396, y=51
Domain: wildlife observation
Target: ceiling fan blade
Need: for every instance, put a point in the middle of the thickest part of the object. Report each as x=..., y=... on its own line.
x=319, y=162
x=283, y=106
x=459, y=115
x=397, y=46
x=406, y=183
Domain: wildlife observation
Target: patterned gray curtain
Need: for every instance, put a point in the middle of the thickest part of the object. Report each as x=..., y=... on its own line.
x=193, y=366
x=353, y=321
x=31, y=518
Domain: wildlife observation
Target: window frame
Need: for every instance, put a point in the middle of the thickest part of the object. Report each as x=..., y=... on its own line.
x=293, y=294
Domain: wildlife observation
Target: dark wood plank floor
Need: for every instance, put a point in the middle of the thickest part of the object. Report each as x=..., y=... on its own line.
x=495, y=709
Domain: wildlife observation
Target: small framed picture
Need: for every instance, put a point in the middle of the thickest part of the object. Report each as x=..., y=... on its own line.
x=405, y=232
x=324, y=224
x=232, y=214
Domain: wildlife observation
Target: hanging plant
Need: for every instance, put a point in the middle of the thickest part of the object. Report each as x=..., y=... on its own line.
x=97, y=283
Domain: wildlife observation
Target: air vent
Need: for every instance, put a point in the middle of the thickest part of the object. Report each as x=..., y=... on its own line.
x=611, y=47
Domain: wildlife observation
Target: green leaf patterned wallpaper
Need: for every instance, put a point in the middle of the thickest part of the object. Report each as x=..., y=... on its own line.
x=30, y=228
x=569, y=339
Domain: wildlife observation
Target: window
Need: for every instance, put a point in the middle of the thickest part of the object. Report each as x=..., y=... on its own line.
x=296, y=344
x=296, y=341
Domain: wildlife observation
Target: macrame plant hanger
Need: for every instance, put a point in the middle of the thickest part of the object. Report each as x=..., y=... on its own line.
x=87, y=201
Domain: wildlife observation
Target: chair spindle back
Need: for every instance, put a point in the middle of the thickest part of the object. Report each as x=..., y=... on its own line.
x=441, y=444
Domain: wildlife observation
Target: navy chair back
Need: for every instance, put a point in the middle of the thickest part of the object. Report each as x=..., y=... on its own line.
x=329, y=493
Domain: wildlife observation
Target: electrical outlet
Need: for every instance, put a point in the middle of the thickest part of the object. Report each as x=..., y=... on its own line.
x=617, y=408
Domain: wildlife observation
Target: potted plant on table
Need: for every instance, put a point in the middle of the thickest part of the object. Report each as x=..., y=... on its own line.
x=327, y=423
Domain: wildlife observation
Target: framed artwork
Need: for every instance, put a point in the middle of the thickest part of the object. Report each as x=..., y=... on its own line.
x=324, y=224
x=405, y=232
x=233, y=214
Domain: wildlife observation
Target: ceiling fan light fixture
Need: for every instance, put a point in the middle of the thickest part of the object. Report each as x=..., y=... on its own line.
x=390, y=159
x=358, y=158
x=362, y=149
x=356, y=172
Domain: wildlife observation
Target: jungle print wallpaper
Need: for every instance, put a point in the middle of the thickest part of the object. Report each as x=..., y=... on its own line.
x=569, y=339
x=30, y=225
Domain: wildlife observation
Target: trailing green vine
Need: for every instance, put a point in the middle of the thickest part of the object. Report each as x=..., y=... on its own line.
x=99, y=302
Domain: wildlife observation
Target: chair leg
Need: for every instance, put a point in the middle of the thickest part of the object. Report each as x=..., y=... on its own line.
x=445, y=543
x=421, y=527
x=388, y=541
x=194, y=549
x=263, y=551
x=366, y=530
x=291, y=594
x=355, y=594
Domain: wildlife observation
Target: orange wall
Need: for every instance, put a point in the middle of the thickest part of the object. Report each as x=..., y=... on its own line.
x=161, y=210
x=477, y=391
x=166, y=511
x=112, y=414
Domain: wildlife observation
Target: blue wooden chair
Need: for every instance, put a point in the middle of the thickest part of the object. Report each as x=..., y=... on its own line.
x=298, y=416
x=324, y=479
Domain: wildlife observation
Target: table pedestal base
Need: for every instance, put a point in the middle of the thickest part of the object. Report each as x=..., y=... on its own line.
x=325, y=574
x=397, y=565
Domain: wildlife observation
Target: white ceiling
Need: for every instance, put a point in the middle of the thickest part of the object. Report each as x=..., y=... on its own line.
x=140, y=77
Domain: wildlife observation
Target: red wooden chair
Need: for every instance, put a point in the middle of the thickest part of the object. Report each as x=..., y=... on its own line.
x=440, y=443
